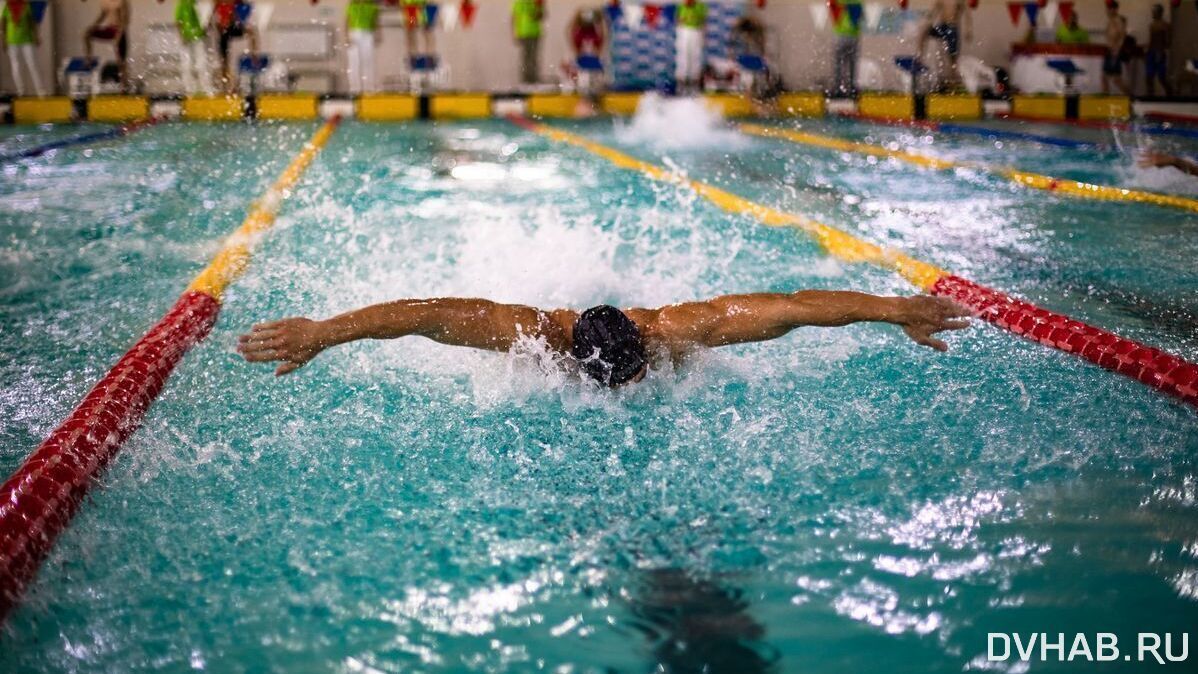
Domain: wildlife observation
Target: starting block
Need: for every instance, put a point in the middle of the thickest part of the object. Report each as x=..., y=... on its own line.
x=86, y=77
x=425, y=72
x=912, y=68
x=1067, y=69
x=590, y=74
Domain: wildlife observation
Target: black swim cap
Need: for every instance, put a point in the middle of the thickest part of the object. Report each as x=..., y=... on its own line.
x=608, y=345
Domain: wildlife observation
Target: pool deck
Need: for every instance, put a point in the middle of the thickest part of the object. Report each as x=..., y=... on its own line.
x=880, y=106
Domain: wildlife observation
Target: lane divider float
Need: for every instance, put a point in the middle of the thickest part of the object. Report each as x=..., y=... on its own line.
x=84, y=139
x=1153, y=367
x=39, y=499
x=1073, y=188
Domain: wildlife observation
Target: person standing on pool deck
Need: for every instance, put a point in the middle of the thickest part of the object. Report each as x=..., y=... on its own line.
x=951, y=21
x=691, y=17
x=611, y=346
x=111, y=26
x=231, y=19
x=848, y=40
x=417, y=27
x=1116, y=35
x=362, y=29
x=20, y=39
x=193, y=60
x=527, y=16
x=1156, y=57
x=1070, y=32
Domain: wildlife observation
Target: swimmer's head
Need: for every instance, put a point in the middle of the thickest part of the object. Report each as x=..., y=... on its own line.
x=1112, y=8
x=1158, y=11
x=608, y=346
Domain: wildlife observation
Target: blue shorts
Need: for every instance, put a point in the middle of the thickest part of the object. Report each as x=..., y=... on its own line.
x=947, y=33
x=1112, y=64
x=1155, y=63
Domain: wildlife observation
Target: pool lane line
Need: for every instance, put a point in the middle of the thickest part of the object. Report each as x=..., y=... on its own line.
x=964, y=129
x=1176, y=117
x=1148, y=365
x=39, y=499
x=1001, y=134
x=1074, y=188
x=119, y=132
x=1167, y=131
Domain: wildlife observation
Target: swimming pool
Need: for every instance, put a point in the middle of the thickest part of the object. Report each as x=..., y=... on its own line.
x=838, y=500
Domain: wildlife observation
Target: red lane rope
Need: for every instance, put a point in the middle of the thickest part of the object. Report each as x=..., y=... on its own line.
x=1145, y=364
x=41, y=496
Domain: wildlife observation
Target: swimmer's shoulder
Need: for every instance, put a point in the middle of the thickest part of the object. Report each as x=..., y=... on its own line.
x=560, y=332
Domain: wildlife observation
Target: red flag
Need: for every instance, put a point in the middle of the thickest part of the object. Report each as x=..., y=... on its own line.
x=973, y=4
x=835, y=8
x=1014, y=9
x=652, y=15
x=903, y=4
x=761, y=3
x=1065, y=9
x=466, y=14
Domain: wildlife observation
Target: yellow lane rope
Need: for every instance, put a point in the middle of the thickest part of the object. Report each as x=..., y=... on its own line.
x=1034, y=180
x=837, y=243
x=231, y=261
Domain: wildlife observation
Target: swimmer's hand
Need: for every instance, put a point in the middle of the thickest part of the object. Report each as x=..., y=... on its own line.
x=291, y=341
x=922, y=316
x=1154, y=159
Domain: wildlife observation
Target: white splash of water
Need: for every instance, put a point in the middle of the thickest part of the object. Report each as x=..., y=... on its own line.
x=1166, y=180
x=677, y=124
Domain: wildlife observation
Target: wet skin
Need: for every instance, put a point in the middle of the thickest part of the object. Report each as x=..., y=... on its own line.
x=673, y=331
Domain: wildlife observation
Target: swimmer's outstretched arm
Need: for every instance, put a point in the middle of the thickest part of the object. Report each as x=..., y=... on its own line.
x=1160, y=160
x=735, y=319
x=476, y=323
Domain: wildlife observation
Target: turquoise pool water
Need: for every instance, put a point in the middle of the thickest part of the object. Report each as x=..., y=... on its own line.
x=835, y=501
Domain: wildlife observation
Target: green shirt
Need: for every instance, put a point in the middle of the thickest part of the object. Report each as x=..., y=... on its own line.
x=188, y=21
x=19, y=29
x=846, y=27
x=526, y=19
x=1067, y=35
x=692, y=16
x=362, y=15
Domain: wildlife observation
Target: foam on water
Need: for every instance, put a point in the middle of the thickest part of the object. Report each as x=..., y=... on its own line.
x=1166, y=180
x=677, y=124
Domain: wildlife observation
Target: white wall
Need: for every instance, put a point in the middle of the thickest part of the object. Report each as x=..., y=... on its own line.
x=485, y=57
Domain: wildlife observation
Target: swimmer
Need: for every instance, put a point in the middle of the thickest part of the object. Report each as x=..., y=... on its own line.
x=951, y=22
x=1153, y=159
x=112, y=25
x=613, y=347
